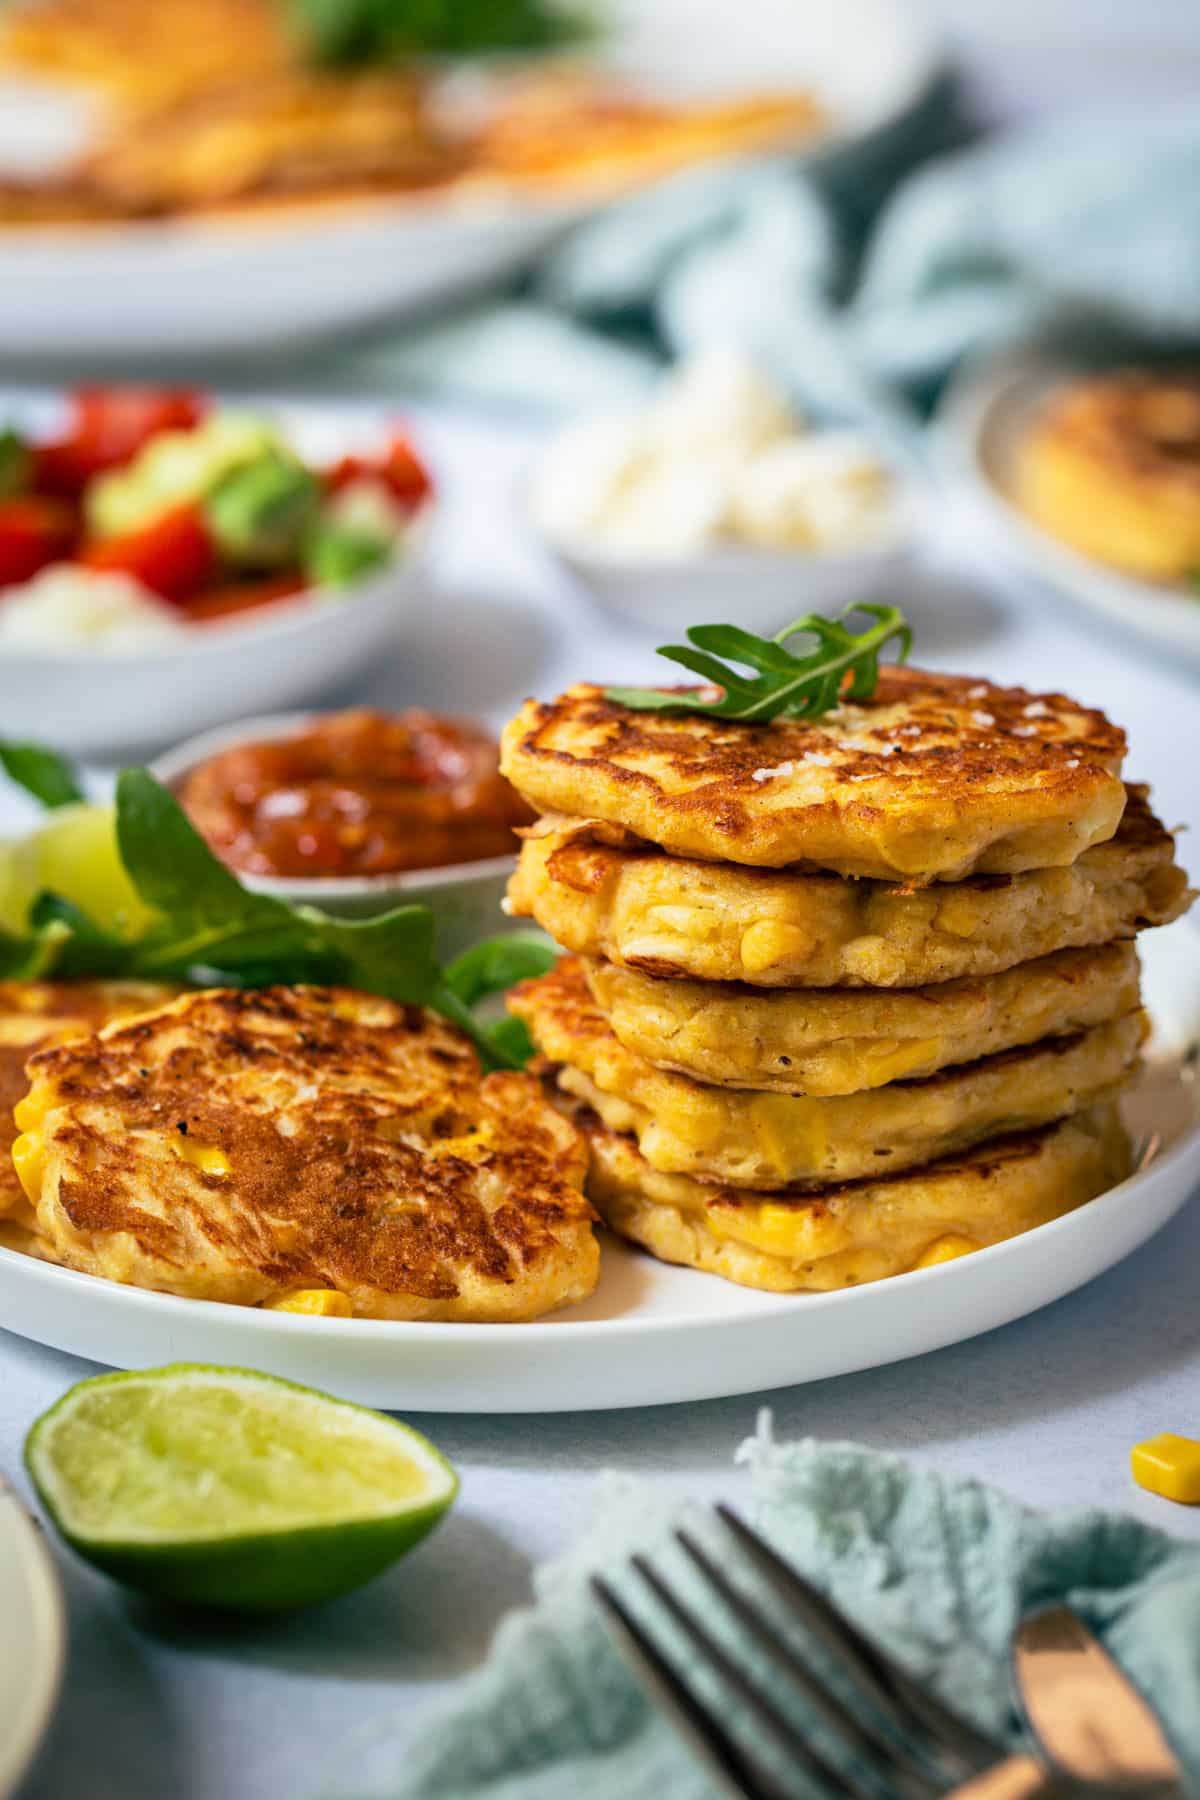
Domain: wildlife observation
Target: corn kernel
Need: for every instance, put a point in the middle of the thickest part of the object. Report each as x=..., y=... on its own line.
x=31, y=1112
x=770, y=941
x=29, y=1160
x=1168, y=1465
x=205, y=1157
x=945, y=1249
x=325, y=1303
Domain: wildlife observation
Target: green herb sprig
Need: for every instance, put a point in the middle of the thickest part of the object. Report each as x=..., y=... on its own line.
x=41, y=772
x=841, y=665
x=209, y=929
x=361, y=32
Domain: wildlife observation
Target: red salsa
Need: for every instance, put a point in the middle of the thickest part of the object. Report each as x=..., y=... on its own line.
x=360, y=793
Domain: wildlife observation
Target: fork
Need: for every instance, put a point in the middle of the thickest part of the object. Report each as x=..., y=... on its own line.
x=899, y=1740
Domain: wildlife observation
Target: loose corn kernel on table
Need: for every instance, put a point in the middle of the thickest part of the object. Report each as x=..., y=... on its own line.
x=1048, y=1408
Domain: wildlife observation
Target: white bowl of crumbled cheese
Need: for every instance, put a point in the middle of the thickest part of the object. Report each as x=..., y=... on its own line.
x=715, y=502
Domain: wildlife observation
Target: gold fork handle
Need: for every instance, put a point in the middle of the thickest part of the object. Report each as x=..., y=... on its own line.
x=1016, y=1778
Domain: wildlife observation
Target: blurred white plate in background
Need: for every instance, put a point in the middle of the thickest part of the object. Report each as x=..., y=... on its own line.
x=982, y=421
x=260, y=282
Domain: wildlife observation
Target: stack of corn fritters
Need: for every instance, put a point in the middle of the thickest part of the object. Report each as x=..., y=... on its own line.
x=848, y=996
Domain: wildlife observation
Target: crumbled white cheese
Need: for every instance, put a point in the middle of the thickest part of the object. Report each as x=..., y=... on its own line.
x=812, y=759
x=586, y=469
x=978, y=691
x=368, y=504
x=1024, y=730
x=983, y=718
x=1037, y=709
x=68, y=606
x=869, y=745
x=672, y=509
x=718, y=401
x=826, y=491
x=1072, y=762
x=717, y=456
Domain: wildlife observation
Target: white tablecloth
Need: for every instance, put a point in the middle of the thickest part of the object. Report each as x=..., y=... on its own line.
x=1046, y=1408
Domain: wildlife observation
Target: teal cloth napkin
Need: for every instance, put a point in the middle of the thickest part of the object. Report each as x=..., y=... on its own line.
x=1090, y=229
x=939, y=1570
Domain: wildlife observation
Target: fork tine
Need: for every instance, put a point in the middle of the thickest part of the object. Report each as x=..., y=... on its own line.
x=891, y=1688
x=879, y=1750
x=724, y=1761
x=765, y=1712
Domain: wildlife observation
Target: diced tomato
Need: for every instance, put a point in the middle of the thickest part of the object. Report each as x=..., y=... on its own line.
x=346, y=470
x=63, y=468
x=108, y=427
x=400, y=468
x=232, y=597
x=406, y=474
x=174, y=556
x=34, y=531
x=118, y=421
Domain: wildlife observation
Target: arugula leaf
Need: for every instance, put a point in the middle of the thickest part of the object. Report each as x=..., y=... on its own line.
x=491, y=968
x=512, y=1043
x=498, y=964
x=368, y=31
x=173, y=869
x=48, y=777
x=842, y=664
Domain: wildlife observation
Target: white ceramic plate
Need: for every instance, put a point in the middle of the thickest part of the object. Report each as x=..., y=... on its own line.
x=984, y=418
x=244, y=284
x=465, y=897
x=652, y=1333
x=93, y=703
x=32, y=1639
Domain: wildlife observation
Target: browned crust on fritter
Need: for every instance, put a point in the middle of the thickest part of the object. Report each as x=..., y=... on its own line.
x=959, y=748
x=357, y=1193
x=36, y=1013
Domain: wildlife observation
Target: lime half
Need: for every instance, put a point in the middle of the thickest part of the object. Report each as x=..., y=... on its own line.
x=227, y=1488
x=75, y=854
x=18, y=884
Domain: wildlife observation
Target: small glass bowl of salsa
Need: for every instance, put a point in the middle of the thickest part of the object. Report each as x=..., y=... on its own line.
x=359, y=811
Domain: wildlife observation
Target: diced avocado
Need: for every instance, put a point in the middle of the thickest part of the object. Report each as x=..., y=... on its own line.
x=260, y=512
x=16, y=464
x=337, y=554
x=177, y=466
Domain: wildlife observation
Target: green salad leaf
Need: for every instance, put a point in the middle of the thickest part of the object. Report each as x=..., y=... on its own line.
x=840, y=665
x=50, y=778
x=345, y=32
x=498, y=964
